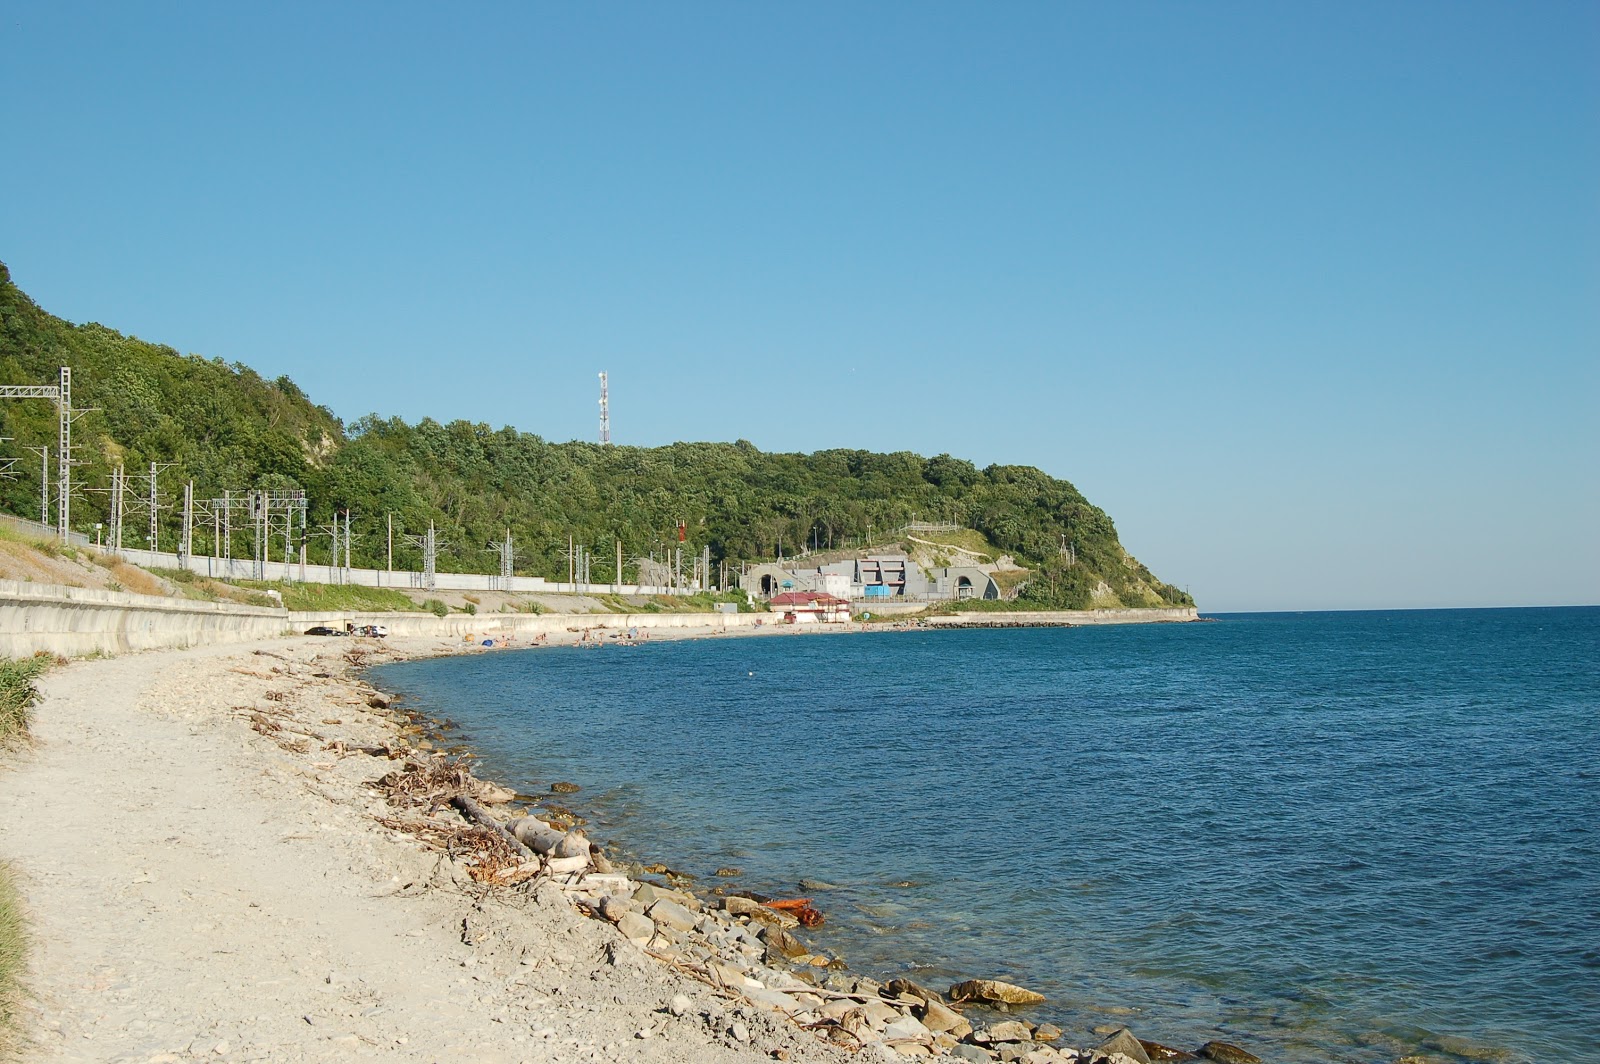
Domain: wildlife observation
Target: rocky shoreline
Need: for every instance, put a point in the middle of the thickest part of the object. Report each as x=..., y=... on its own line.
x=290, y=868
x=752, y=948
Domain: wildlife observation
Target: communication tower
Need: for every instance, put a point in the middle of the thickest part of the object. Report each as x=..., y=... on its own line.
x=605, y=410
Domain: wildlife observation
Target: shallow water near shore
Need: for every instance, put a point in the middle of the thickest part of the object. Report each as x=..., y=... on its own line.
x=1327, y=836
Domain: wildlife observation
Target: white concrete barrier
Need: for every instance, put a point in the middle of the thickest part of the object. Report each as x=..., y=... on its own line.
x=77, y=621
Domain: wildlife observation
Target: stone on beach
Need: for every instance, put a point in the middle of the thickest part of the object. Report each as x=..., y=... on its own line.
x=782, y=943
x=669, y=913
x=994, y=991
x=1125, y=1043
x=636, y=928
x=939, y=1017
x=572, y=844
x=1005, y=1031
x=902, y=988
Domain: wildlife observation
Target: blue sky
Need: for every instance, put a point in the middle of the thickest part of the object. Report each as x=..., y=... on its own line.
x=1306, y=296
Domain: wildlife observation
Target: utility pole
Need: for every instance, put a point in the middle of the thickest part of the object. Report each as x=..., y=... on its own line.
x=65, y=416
x=114, y=540
x=44, y=484
x=390, y=543
x=619, y=564
x=430, y=555
x=186, y=544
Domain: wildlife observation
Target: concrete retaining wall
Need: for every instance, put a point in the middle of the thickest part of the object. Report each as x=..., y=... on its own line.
x=526, y=626
x=1047, y=618
x=78, y=621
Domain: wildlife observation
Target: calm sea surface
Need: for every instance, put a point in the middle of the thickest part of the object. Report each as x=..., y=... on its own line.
x=1324, y=836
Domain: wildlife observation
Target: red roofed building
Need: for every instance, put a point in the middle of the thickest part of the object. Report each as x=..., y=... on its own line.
x=811, y=607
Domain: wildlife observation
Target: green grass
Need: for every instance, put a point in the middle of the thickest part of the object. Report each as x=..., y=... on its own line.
x=13, y=957
x=17, y=694
x=965, y=538
x=318, y=597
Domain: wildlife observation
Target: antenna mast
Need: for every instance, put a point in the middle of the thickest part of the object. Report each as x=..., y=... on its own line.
x=605, y=410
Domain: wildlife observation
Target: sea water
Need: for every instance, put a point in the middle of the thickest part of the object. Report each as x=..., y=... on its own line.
x=1321, y=836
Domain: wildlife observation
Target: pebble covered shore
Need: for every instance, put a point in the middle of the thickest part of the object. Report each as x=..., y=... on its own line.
x=753, y=951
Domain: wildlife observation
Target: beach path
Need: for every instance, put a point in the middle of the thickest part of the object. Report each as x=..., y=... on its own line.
x=194, y=892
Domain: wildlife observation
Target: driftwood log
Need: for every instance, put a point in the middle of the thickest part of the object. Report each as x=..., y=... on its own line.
x=475, y=812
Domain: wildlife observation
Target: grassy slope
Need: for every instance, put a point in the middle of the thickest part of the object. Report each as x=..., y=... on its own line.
x=16, y=695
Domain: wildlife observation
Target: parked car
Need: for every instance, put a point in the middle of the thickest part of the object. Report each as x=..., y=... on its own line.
x=323, y=629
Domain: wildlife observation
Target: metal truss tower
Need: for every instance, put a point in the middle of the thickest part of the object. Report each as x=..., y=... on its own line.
x=62, y=394
x=605, y=409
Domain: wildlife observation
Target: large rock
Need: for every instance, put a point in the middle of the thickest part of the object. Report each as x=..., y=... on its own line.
x=906, y=1027
x=782, y=943
x=1160, y=1054
x=1125, y=1043
x=1009, y=1031
x=994, y=992
x=905, y=988
x=636, y=928
x=614, y=908
x=648, y=894
x=572, y=844
x=937, y=1017
x=972, y=1054
x=1227, y=1053
x=669, y=913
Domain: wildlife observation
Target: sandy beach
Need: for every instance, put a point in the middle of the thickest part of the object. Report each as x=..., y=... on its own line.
x=198, y=890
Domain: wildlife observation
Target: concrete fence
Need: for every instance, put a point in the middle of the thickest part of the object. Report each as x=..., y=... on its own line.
x=77, y=621
x=1048, y=618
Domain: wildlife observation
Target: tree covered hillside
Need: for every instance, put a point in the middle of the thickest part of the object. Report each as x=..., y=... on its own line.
x=225, y=427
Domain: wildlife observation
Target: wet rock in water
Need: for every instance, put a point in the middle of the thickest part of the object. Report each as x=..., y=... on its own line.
x=1046, y=1032
x=993, y=991
x=728, y=872
x=1160, y=1054
x=818, y=884
x=564, y=788
x=1227, y=1053
x=1125, y=1043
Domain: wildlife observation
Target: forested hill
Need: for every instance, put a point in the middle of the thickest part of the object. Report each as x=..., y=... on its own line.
x=226, y=427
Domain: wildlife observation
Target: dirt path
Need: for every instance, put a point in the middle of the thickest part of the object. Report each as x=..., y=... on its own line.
x=195, y=892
